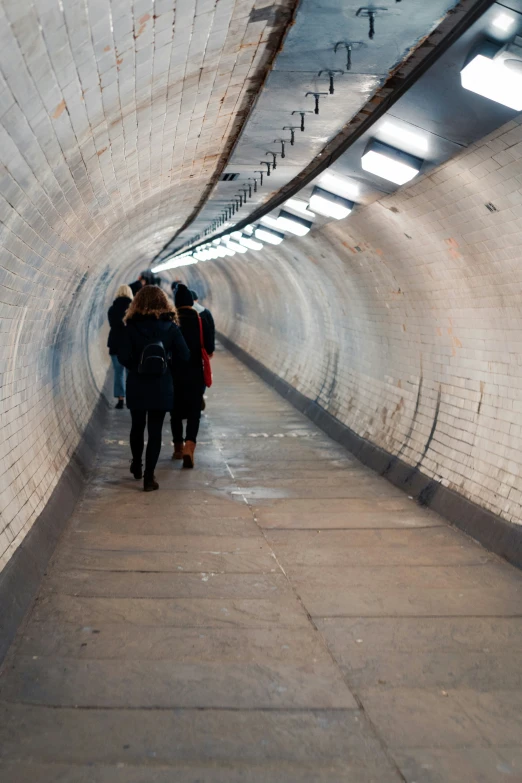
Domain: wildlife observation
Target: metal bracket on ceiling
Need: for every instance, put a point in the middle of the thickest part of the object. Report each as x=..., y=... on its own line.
x=255, y=182
x=349, y=46
x=316, y=95
x=331, y=75
x=261, y=175
x=274, y=156
x=292, y=129
x=282, y=142
x=246, y=190
x=268, y=165
x=302, y=113
x=370, y=14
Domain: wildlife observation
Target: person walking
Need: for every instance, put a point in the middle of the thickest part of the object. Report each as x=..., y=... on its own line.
x=188, y=380
x=206, y=315
x=115, y=315
x=152, y=349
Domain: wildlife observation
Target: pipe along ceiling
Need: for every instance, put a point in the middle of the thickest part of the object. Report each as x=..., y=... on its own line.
x=434, y=118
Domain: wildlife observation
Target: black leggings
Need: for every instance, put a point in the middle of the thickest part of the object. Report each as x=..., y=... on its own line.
x=154, y=421
x=192, y=413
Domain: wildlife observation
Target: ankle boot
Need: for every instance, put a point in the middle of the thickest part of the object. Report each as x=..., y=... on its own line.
x=188, y=454
x=119, y=405
x=178, y=450
x=136, y=469
x=150, y=484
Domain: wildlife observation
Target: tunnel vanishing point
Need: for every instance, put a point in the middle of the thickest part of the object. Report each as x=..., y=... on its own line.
x=333, y=594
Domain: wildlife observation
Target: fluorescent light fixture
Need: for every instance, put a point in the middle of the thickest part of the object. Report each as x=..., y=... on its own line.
x=228, y=251
x=236, y=247
x=299, y=206
x=338, y=185
x=236, y=234
x=407, y=137
x=494, y=79
x=503, y=22
x=270, y=221
x=221, y=252
x=293, y=224
x=173, y=263
x=330, y=205
x=248, y=230
x=267, y=235
x=250, y=243
x=390, y=163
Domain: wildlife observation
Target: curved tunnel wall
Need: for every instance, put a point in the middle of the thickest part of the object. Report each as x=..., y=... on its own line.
x=404, y=321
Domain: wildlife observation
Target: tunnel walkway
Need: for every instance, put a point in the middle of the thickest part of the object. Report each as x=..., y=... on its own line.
x=280, y=614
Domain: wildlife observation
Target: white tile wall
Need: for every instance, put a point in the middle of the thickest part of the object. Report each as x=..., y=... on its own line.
x=113, y=116
x=415, y=296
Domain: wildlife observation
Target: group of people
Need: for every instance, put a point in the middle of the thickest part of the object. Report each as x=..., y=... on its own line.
x=158, y=349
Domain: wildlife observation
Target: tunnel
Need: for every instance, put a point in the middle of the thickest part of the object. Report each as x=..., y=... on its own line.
x=333, y=593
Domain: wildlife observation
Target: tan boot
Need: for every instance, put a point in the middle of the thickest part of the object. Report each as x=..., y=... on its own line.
x=188, y=454
x=178, y=451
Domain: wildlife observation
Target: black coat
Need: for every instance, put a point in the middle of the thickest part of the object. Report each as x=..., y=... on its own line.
x=210, y=334
x=188, y=380
x=146, y=393
x=115, y=315
x=135, y=287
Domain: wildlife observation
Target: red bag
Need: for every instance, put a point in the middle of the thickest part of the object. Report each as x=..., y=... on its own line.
x=207, y=369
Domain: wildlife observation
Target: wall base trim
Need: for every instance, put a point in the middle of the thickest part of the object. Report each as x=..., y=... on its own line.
x=493, y=532
x=21, y=578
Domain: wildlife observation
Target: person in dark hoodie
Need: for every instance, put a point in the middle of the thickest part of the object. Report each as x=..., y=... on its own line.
x=153, y=350
x=206, y=315
x=115, y=315
x=188, y=380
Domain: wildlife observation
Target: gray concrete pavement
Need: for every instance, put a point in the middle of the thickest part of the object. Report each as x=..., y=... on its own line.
x=278, y=615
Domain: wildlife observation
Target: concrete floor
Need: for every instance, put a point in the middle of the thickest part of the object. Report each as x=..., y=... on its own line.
x=278, y=615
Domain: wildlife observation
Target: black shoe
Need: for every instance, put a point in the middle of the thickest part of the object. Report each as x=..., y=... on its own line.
x=119, y=405
x=203, y=403
x=150, y=484
x=136, y=469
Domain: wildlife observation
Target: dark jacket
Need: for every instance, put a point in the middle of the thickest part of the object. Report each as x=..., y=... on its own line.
x=115, y=315
x=210, y=334
x=189, y=379
x=135, y=287
x=151, y=393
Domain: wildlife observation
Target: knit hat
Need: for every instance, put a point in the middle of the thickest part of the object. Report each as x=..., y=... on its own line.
x=194, y=295
x=183, y=297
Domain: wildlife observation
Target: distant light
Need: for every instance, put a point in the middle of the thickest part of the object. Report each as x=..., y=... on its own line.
x=504, y=22
x=294, y=224
x=250, y=243
x=173, y=263
x=407, y=137
x=236, y=247
x=270, y=221
x=492, y=79
x=339, y=185
x=267, y=235
x=299, y=206
x=390, y=163
x=330, y=205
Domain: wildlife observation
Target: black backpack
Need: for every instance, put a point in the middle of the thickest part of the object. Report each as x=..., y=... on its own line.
x=154, y=360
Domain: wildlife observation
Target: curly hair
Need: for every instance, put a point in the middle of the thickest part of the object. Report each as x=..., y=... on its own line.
x=151, y=300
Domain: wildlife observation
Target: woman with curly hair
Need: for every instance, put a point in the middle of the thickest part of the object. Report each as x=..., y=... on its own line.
x=151, y=348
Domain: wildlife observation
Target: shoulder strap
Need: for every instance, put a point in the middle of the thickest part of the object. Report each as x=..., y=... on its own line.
x=201, y=340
